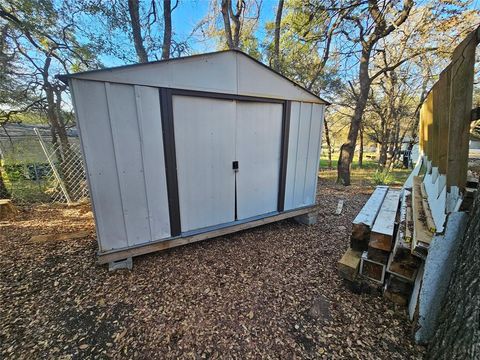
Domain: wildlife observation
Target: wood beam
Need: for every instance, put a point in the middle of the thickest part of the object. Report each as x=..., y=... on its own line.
x=165, y=244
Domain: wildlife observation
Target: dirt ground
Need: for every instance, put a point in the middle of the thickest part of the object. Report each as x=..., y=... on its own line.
x=269, y=292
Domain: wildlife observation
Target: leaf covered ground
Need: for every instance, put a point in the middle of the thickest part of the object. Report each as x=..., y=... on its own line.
x=269, y=292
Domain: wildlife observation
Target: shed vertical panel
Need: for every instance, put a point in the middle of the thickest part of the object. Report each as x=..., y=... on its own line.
x=258, y=149
x=94, y=124
x=292, y=155
x=151, y=139
x=128, y=155
x=318, y=111
x=205, y=149
x=313, y=158
x=302, y=153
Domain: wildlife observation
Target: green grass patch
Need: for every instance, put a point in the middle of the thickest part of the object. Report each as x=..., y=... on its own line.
x=367, y=175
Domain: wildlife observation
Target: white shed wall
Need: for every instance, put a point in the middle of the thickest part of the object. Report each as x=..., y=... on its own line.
x=227, y=72
x=122, y=141
x=197, y=73
x=305, y=140
x=252, y=79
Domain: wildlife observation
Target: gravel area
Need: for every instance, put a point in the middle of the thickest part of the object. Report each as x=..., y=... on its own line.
x=269, y=292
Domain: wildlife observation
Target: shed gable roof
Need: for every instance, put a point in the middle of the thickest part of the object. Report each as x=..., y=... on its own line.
x=230, y=71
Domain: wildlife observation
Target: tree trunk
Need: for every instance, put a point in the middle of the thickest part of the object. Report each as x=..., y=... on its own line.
x=276, y=44
x=348, y=148
x=226, y=23
x=167, y=29
x=4, y=193
x=67, y=158
x=458, y=334
x=393, y=149
x=232, y=34
x=236, y=22
x=382, y=157
x=380, y=31
x=396, y=128
x=329, y=145
x=133, y=9
x=360, y=150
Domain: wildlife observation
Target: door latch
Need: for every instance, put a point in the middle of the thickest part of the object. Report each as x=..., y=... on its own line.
x=235, y=166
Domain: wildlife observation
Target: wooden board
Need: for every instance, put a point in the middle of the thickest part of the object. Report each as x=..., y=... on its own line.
x=427, y=120
x=428, y=216
x=401, y=261
x=338, y=211
x=369, y=212
x=378, y=255
x=384, y=227
x=349, y=264
x=160, y=245
x=422, y=237
x=442, y=107
x=461, y=100
x=363, y=222
x=434, y=139
x=405, y=267
x=409, y=226
x=59, y=237
x=371, y=269
x=397, y=290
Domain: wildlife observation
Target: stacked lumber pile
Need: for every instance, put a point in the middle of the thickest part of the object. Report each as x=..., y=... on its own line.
x=390, y=238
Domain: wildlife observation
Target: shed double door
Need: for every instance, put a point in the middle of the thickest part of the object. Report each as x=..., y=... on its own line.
x=212, y=134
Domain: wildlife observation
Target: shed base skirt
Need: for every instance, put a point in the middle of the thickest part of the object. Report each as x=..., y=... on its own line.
x=164, y=244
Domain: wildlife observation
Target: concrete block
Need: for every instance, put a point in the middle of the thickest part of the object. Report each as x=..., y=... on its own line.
x=306, y=219
x=121, y=264
x=438, y=270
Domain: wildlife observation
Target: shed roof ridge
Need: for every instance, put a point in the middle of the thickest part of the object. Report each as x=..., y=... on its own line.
x=65, y=77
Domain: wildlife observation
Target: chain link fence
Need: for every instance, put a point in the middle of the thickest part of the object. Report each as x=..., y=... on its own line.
x=34, y=169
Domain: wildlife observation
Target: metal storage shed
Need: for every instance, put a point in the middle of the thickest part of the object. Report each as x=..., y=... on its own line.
x=187, y=149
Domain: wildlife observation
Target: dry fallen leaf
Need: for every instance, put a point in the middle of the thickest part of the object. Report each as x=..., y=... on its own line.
x=192, y=299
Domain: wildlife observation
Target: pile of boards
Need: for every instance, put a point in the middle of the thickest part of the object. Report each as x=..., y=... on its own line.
x=390, y=238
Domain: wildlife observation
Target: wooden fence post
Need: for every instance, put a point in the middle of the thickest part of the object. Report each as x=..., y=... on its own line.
x=435, y=140
x=421, y=137
x=462, y=70
x=427, y=114
x=443, y=109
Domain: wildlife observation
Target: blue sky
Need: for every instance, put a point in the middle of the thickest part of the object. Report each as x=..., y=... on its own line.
x=188, y=15
x=190, y=12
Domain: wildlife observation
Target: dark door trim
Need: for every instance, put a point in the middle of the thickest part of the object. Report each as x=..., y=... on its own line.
x=166, y=109
x=223, y=96
x=287, y=106
x=166, y=105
